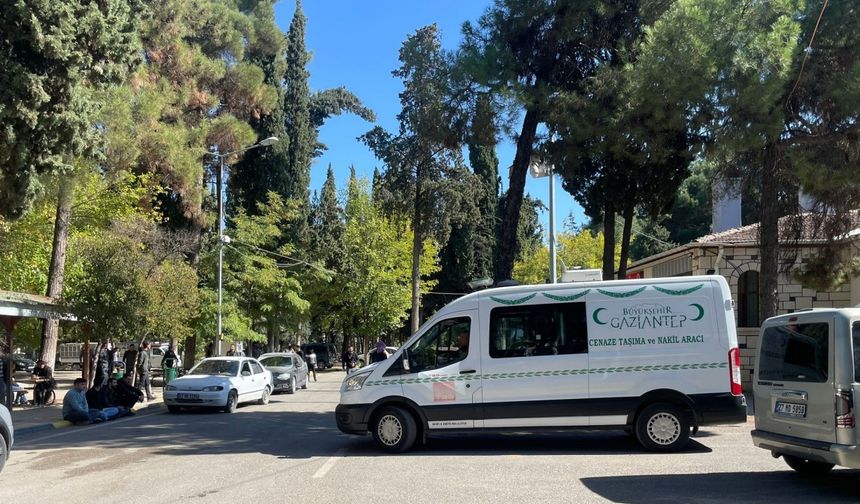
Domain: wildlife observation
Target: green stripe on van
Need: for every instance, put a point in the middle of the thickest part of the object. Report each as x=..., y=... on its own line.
x=682, y=292
x=540, y=374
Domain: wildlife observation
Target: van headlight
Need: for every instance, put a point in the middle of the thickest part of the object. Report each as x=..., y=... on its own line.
x=354, y=382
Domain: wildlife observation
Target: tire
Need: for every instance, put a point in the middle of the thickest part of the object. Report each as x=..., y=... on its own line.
x=807, y=467
x=173, y=408
x=394, y=430
x=232, y=402
x=663, y=427
x=4, y=451
x=292, y=388
x=305, y=384
x=51, y=398
x=264, y=399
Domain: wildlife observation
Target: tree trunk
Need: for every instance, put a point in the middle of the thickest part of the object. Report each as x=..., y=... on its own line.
x=608, y=243
x=270, y=332
x=56, y=273
x=769, y=231
x=190, y=351
x=507, y=244
x=417, y=250
x=625, y=242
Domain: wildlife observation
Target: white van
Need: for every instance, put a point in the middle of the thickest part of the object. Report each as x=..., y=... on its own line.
x=806, y=378
x=655, y=357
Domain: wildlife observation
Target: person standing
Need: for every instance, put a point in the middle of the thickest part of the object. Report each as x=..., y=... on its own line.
x=102, y=366
x=349, y=360
x=129, y=358
x=380, y=354
x=144, y=373
x=312, y=364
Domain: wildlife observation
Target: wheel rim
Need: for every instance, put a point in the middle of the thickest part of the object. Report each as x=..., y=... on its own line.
x=390, y=430
x=664, y=428
x=231, y=402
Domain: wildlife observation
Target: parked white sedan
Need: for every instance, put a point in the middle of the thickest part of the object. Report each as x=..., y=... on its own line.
x=220, y=382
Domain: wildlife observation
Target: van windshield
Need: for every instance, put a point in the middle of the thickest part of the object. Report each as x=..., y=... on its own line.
x=856, y=337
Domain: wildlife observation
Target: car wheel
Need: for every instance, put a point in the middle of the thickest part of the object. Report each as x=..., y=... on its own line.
x=4, y=452
x=173, y=408
x=663, y=427
x=305, y=384
x=807, y=467
x=394, y=430
x=232, y=402
x=264, y=399
x=292, y=388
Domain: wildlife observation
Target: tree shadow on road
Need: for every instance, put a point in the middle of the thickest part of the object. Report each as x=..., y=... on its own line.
x=760, y=487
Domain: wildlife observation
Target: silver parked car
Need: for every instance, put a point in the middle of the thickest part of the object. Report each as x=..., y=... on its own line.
x=289, y=371
x=7, y=435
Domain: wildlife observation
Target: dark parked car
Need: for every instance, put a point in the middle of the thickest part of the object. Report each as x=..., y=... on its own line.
x=326, y=354
x=289, y=371
x=23, y=364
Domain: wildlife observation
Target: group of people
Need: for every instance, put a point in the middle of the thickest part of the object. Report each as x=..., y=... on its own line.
x=102, y=402
x=349, y=359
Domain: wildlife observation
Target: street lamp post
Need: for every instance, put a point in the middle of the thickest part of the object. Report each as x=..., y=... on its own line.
x=222, y=239
x=538, y=169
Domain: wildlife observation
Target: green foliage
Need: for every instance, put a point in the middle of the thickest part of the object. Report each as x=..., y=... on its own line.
x=55, y=56
x=574, y=249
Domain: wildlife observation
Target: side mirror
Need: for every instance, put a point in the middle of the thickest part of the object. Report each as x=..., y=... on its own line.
x=246, y=373
x=405, y=361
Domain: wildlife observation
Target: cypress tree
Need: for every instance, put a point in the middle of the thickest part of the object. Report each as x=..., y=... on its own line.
x=485, y=164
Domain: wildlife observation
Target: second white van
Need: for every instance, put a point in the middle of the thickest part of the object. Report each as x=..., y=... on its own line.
x=655, y=357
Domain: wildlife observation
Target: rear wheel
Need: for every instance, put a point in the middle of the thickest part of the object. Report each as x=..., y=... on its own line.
x=264, y=399
x=807, y=467
x=663, y=427
x=232, y=402
x=394, y=430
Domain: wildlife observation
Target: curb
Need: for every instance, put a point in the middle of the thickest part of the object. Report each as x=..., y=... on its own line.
x=61, y=424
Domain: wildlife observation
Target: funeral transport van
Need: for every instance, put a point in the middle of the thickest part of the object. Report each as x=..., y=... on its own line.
x=655, y=357
x=806, y=381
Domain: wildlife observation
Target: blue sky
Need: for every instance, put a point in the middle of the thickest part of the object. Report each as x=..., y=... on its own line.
x=355, y=44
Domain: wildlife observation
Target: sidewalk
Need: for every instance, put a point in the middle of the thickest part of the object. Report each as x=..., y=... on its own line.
x=33, y=419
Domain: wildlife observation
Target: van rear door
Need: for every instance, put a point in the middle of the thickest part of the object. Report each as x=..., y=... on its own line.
x=794, y=391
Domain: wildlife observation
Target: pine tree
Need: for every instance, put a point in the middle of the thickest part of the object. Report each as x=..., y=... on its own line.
x=485, y=164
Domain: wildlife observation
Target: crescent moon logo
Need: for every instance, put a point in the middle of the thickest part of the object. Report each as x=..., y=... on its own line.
x=701, y=311
x=594, y=316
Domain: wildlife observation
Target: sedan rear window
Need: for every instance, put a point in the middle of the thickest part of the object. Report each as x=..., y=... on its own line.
x=795, y=352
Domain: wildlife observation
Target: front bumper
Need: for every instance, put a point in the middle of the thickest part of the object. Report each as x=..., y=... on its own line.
x=279, y=384
x=829, y=453
x=195, y=398
x=352, y=418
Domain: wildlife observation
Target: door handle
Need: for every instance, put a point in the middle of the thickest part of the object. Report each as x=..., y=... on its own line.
x=794, y=394
x=467, y=371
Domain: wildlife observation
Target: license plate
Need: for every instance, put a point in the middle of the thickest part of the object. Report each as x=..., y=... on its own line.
x=790, y=409
x=187, y=396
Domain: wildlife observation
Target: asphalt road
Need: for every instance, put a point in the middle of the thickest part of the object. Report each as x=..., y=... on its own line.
x=291, y=451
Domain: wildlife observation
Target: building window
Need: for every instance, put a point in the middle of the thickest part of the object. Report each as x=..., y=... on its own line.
x=748, y=299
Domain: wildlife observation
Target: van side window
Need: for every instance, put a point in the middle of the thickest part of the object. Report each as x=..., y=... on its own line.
x=795, y=353
x=535, y=330
x=855, y=331
x=442, y=345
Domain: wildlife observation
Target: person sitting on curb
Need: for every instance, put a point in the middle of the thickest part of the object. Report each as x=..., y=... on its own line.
x=94, y=400
x=75, y=407
x=108, y=397
x=126, y=395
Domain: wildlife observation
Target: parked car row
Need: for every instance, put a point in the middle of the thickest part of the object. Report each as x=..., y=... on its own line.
x=225, y=382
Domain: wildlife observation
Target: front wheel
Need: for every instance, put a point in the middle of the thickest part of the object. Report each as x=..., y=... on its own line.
x=394, y=430
x=807, y=467
x=264, y=399
x=292, y=388
x=663, y=427
x=232, y=402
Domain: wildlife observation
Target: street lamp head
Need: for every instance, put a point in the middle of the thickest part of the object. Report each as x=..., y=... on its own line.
x=268, y=141
x=539, y=168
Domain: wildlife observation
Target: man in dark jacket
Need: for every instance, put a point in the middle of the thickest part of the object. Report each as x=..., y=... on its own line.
x=125, y=394
x=129, y=358
x=144, y=374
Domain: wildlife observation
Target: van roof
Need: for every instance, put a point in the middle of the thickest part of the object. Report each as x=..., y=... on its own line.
x=576, y=285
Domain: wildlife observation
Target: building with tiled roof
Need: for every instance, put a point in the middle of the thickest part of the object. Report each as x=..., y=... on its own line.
x=734, y=253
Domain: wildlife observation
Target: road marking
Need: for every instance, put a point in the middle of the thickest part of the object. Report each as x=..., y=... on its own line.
x=322, y=471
